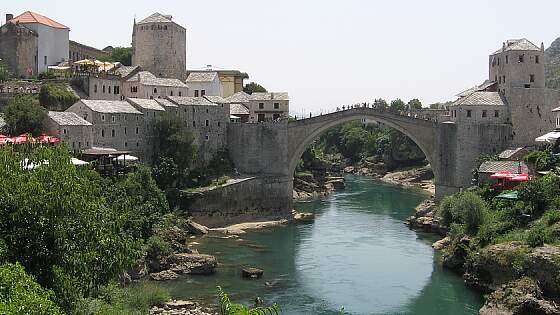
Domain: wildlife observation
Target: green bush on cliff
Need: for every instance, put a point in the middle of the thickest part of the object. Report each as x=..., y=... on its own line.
x=21, y=294
x=445, y=210
x=466, y=208
x=540, y=193
x=56, y=96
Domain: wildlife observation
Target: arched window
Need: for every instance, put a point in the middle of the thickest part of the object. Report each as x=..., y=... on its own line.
x=103, y=88
x=171, y=93
x=95, y=88
x=102, y=132
x=155, y=90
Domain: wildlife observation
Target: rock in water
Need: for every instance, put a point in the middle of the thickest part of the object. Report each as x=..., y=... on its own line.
x=165, y=275
x=194, y=264
x=195, y=228
x=520, y=297
x=252, y=273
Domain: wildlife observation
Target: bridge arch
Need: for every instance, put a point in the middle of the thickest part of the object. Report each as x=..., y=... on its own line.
x=303, y=132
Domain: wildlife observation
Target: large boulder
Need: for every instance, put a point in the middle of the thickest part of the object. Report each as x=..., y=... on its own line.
x=165, y=275
x=496, y=265
x=519, y=297
x=543, y=264
x=455, y=255
x=194, y=264
x=195, y=228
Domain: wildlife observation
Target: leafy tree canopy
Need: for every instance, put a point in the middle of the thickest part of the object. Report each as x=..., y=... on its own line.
x=23, y=114
x=397, y=105
x=253, y=87
x=120, y=54
x=380, y=103
x=414, y=104
x=175, y=141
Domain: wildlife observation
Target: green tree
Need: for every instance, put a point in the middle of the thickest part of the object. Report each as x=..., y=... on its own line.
x=165, y=172
x=56, y=222
x=56, y=96
x=174, y=140
x=397, y=105
x=23, y=114
x=253, y=87
x=122, y=55
x=4, y=73
x=20, y=294
x=414, y=104
x=140, y=199
x=380, y=103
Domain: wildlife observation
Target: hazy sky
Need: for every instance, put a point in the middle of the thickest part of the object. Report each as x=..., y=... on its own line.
x=327, y=53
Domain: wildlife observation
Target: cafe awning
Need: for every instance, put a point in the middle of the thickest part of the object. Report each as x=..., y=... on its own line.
x=549, y=137
x=509, y=195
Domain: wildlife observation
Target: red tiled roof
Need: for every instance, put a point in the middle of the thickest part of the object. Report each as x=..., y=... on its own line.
x=32, y=17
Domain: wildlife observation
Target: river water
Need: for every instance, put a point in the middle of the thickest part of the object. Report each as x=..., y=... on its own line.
x=357, y=254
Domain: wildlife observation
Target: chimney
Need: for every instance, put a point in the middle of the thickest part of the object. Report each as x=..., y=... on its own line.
x=503, y=46
x=9, y=16
x=542, y=46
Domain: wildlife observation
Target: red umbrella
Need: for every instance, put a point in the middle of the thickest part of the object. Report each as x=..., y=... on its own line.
x=4, y=139
x=47, y=139
x=19, y=139
x=501, y=175
x=54, y=140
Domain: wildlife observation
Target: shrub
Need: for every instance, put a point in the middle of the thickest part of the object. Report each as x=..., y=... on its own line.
x=540, y=193
x=472, y=209
x=445, y=210
x=539, y=235
x=157, y=247
x=20, y=294
x=56, y=96
x=23, y=114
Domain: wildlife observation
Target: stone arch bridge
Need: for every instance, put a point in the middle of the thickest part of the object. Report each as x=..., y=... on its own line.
x=270, y=151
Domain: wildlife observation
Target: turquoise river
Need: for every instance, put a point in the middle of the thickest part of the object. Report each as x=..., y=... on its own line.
x=357, y=254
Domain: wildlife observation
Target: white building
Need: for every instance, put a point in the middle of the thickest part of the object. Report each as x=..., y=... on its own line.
x=53, y=42
x=204, y=83
x=146, y=85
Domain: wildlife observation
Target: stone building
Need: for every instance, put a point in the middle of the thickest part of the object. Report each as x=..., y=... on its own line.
x=204, y=83
x=75, y=131
x=514, y=94
x=151, y=111
x=79, y=51
x=208, y=123
x=231, y=80
x=268, y=106
x=100, y=86
x=556, y=112
x=18, y=48
x=159, y=46
x=146, y=85
x=116, y=124
x=53, y=43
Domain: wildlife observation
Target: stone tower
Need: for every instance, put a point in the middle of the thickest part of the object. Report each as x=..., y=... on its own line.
x=159, y=45
x=518, y=70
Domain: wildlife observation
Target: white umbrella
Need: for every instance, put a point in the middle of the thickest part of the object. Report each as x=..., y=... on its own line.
x=549, y=137
x=127, y=158
x=78, y=162
x=27, y=165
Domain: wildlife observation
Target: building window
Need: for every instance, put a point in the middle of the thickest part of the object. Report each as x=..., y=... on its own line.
x=261, y=105
x=180, y=93
x=202, y=92
x=496, y=113
x=500, y=80
x=109, y=89
x=484, y=113
x=137, y=144
x=171, y=93
x=45, y=60
x=117, y=90
x=155, y=90
x=498, y=61
x=521, y=58
x=113, y=133
x=194, y=123
x=219, y=124
x=276, y=105
x=95, y=88
x=207, y=111
x=207, y=137
x=113, y=118
x=102, y=132
x=532, y=78
x=194, y=110
x=469, y=112
x=64, y=131
x=136, y=130
x=504, y=79
x=195, y=93
x=125, y=130
x=103, y=117
x=125, y=144
x=507, y=59
x=537, y=59
x=103, y=88
x=207, y=123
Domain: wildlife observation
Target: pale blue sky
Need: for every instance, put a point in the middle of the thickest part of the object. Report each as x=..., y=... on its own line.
x=327, y=53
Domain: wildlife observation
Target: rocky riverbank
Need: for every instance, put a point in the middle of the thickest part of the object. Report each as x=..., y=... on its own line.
x=518, y=279
x=309, y=186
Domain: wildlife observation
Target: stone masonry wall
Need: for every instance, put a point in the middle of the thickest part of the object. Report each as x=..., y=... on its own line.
x=253, y=199
x=259, y=148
